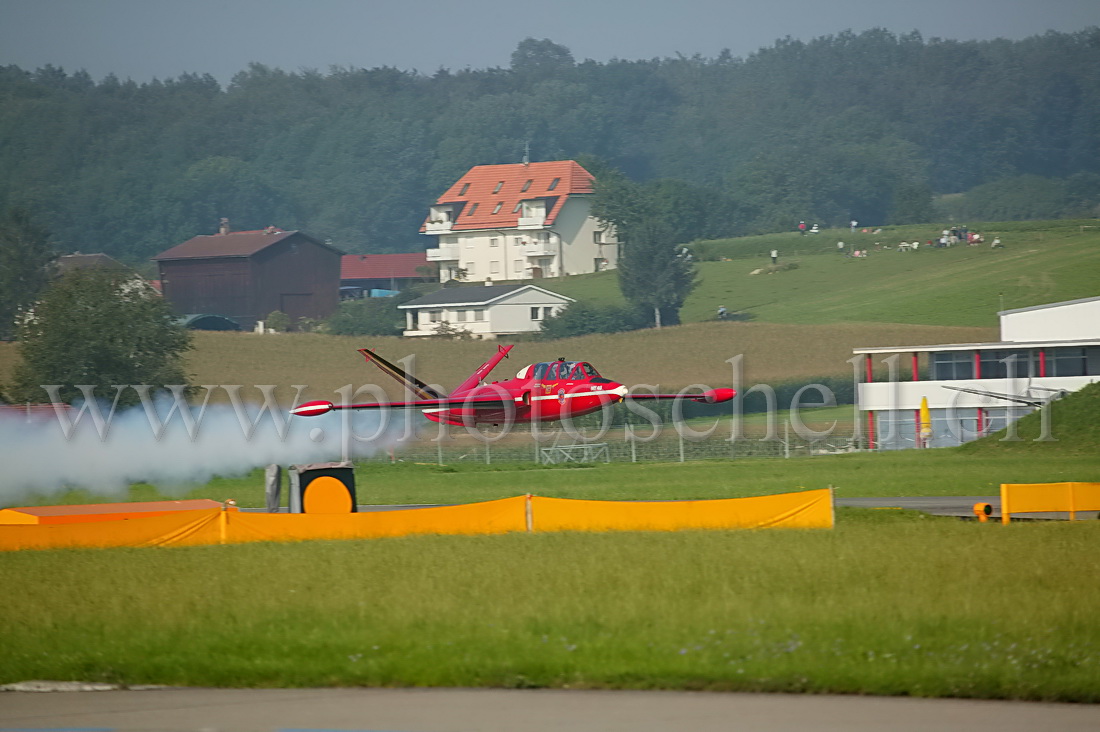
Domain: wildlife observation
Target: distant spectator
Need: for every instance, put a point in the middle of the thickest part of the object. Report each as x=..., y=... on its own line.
x=853, y=225
x=840, y=247
x=802, y=227
x=775, y=256
x=996, y=243
x=814, y=229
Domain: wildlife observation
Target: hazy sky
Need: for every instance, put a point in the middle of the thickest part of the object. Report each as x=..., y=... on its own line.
x=143, y=39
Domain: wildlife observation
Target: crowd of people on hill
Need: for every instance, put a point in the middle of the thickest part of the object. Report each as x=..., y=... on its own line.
x=949, y=237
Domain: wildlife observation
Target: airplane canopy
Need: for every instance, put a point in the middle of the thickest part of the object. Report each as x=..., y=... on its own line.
x=559, y=370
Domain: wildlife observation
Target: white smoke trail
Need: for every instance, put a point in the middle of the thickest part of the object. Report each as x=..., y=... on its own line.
x=169, y=444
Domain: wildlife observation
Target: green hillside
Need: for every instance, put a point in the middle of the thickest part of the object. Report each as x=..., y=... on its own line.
x=1073, y=422
x=1041, y=262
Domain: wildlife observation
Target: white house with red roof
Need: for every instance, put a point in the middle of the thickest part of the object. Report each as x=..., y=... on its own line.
x=518, y=222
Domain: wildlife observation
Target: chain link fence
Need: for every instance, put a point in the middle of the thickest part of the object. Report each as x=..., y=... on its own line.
x=619, y=445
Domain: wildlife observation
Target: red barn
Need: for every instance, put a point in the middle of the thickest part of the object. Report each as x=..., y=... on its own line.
x=245, y=275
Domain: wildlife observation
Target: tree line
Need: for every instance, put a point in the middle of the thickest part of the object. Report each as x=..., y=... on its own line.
x=869, y=126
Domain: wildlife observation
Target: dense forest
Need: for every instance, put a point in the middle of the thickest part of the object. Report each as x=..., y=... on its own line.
x=872, y=126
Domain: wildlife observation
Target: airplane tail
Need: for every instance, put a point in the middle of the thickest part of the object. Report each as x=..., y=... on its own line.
x=483, y=370
x=414, y=384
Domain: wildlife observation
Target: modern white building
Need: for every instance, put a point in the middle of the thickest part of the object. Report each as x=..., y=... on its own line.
x=519, y=222
x=974, y=389
x=485, y=312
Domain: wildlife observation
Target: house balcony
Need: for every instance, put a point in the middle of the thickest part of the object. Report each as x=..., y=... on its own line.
x=445, y=253
x=532, y=222
x=539, y=249
x=438, y=227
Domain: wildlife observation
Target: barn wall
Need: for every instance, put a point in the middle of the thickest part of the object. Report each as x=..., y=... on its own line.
x=297, y=276
x=215, y=286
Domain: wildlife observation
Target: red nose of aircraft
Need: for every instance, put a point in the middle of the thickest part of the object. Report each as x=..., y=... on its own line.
x=312, y=409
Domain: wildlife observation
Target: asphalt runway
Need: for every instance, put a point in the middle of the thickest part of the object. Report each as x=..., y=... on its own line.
x=481, y=710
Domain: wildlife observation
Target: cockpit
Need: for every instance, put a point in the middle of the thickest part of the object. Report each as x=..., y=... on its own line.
x=559, y=371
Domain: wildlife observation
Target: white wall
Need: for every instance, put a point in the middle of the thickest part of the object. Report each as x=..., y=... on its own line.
x=1069, y=321
x=889, y=395
x=510, y=315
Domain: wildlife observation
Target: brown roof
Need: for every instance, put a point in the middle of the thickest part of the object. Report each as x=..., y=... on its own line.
x=68, y=262
x=381, y=266
x=235, y=244
x=490, y=185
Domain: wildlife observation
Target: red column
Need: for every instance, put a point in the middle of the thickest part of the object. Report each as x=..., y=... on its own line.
x=1042, y=362
x=870, y=414
x=916, y=370
x=978, y=375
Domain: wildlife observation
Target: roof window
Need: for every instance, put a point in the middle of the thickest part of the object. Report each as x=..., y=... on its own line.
x=473, y=208
x=500, y=185
x=527, y=185
x=553, y=184
x=465, y=187
x=496, y=209
x=518, y=207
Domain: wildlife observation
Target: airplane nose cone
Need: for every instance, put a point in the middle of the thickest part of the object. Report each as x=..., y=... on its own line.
x=618, y=390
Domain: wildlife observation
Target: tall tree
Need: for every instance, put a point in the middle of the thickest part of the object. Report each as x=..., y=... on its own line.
x=25, y=257
x=654, y=273
x=100, y=327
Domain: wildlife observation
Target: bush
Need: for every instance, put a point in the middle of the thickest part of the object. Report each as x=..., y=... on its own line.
x=581, y=318
x=277, y=321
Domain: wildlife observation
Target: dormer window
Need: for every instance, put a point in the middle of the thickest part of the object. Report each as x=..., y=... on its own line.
x=496, y=209
x=465, y=187
x=553, y=184
x=499, y=186
x=527, y=185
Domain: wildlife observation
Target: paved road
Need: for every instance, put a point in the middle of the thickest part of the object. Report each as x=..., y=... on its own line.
x=482, y=710
x=962, y=506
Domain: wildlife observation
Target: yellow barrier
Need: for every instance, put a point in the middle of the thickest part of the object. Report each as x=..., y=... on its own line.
x=803, y=510
x=1047, y=497
x=808, y=509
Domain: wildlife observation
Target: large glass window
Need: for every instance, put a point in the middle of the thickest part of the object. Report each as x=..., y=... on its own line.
x=950, y=365
x=1066, y=362
x=1003, y=364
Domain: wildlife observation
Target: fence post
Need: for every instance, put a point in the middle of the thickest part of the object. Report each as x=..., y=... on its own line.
x=786, y=440
x=681, y=436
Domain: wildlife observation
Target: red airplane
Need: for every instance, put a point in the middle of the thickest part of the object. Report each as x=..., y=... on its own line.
x=541, y=392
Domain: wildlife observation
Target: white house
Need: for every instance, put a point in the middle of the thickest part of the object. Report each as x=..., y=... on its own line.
x=486, y=312
x=519, y=222
x=974, y=389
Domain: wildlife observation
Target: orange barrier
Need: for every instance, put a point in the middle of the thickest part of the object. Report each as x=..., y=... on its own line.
x=79, y=514
x=808, y=509
x=1047, y=497
x=803, y=510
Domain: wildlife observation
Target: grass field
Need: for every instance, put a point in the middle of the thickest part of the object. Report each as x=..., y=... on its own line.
x=1042, y=262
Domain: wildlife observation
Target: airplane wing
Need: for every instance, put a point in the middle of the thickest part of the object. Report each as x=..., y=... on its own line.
x=710, y=396
x=414, y=384
x=1031, y=401
x=314, y=409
